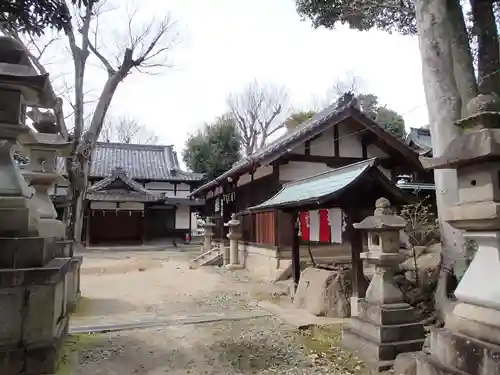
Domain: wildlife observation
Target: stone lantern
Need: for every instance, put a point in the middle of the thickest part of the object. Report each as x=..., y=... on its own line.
x=470, y=341
x=42, y=150
x=385, y=325
x=233, y=236
x=208, y=226
x=32, y=287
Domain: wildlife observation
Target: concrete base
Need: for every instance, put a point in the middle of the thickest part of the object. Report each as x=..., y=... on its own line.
x=379, y=333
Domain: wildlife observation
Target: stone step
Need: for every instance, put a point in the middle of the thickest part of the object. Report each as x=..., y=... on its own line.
x=464, y=353
x=388, y=333
x=209, y=258
x=429, y=365
x=377, y=355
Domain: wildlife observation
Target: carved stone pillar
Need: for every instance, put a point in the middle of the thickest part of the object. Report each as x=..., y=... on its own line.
x=234, y=236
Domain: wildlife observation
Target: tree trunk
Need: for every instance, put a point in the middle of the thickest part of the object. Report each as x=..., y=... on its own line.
x=463, y=62
x=444, y=103
x=488, y=60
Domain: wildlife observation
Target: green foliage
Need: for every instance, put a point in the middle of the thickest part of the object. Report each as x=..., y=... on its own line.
x=387, y=15
x=33, y=16
x=422, y=224
x=391, y=121
x=388, y=118
x=297, y=118
x=214, y=149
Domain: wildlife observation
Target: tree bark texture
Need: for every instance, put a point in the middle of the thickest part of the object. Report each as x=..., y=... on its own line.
x=444, y=103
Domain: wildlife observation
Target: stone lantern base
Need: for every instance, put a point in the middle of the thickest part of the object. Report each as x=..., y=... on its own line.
x=33, y=306
x=379, y=333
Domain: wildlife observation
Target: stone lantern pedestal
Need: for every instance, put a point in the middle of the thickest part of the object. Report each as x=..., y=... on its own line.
x=385, y=325
x=209, y=234
x=234, y=236
x=470, y=341
x=33, y=309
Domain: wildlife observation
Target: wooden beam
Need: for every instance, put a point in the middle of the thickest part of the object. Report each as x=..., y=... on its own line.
x=296, y=252
x=336, y=140
x=320, y=159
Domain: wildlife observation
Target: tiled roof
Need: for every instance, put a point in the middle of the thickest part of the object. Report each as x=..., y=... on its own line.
x=323, y=187
x=315, y=125
x=141, y=162
x=127, y=189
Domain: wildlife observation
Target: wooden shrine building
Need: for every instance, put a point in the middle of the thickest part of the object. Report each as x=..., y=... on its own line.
x=137, y=194
x=338, y=136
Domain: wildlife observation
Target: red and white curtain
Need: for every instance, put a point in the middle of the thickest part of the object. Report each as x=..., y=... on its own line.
x=324, y=226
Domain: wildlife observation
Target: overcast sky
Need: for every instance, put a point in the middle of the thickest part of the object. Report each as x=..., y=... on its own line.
x=227, y=43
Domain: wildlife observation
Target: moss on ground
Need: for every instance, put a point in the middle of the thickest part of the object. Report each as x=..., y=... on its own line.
x=68, y=353
x=324, y=344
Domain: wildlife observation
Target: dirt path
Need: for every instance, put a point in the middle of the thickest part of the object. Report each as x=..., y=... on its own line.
x=120, y=288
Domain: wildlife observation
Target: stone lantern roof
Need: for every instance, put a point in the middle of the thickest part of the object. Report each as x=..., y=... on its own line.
x=383, y=219
x=18, y=74
x=480, y=141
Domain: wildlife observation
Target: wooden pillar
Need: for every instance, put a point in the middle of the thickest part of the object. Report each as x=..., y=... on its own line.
x=359, y=283
x=295, y=252
x=174, y=240
x=87, y=227
x=190, y=224
x=144, y=225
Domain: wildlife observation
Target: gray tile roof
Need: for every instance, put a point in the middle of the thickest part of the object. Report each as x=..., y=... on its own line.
x=141, y=162
x=127, y=189
x=322, y=120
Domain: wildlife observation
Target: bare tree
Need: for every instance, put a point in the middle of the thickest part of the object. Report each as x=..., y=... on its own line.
x=142, y=46
x=126, y=130
x=349, y=82
x=259, y=112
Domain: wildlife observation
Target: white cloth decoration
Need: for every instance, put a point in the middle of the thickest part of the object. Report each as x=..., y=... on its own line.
x=314, y=225
x=336, y=224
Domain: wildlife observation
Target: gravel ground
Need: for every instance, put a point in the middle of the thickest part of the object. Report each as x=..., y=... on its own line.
x=254, y=346
x=125, y=287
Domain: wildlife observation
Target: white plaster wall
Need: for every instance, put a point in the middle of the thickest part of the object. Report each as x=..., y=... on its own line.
x=182, y=218
x=263, y=171
x=244, y=179
x=374, y=152
x=182, y=187
x=349, y=143
x=296, y=170
x=324, y=144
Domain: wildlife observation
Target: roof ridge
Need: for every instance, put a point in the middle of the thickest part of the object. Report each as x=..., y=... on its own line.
x=133, y=145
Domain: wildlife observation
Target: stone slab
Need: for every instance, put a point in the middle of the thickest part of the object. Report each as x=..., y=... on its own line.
x=386, y=315
x=428, y=365
x=378, y=356
x=11, y=307
x=480, y=284
x=51, y=273
x=324, y=292
x=464, y=353
x=388, y=333
x=26, y=252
